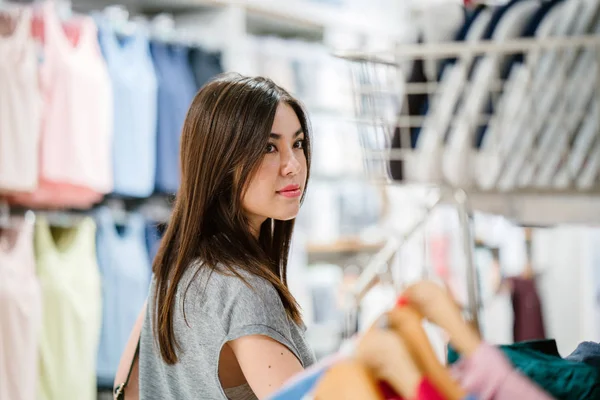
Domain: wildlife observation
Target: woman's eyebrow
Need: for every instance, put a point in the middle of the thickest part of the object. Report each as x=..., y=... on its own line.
x=277, y=136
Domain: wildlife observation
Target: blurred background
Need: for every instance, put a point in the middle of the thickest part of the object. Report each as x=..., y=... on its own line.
x=456, y=142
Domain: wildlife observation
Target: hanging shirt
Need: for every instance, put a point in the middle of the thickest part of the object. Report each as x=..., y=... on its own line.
x=76, y=138
x=68, y=272
x=489, y=375
x=540, y=361
x=528, y=320
x=20, y=108
x=205, y=65
x=20, y=314
x=154, y=233
x=176, y=90
x=125, y=270
x=134, y=88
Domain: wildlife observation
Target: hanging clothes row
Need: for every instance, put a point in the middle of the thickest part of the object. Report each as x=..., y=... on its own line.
x=69, y=297
x=470, y=133
x=105, y=114
x=393, y=360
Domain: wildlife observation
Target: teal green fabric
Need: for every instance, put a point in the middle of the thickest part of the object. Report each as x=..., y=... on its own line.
x=540, y=361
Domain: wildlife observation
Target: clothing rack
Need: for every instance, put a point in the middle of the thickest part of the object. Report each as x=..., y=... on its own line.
x=154, y=209
x=472, y=99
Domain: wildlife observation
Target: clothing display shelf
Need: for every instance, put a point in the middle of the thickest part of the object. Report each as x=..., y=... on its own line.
x=291, y=16
x=510, y=127
x=514, y=124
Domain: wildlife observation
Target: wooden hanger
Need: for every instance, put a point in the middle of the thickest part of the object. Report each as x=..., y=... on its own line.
x=436, y=304
x=387, y=357
x=348, y=380
x=407, y=322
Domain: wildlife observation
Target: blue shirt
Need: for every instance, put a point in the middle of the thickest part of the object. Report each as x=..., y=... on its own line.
x=135, y=107
x=125, y=269
x=176, y=90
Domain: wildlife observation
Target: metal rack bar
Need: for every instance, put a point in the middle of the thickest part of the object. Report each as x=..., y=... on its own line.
x=456, y=49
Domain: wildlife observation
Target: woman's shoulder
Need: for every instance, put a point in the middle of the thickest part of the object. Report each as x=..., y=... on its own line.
x=229, y=286
x=236, y=299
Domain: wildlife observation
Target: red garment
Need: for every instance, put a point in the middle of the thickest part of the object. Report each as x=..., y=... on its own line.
x=425, y=391
x=388, y=392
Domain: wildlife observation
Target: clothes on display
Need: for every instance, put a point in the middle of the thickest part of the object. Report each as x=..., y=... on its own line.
x=71, y=294
x=527, y=308
x=92, y=125
x=541, y=362
x=69, y=297
x=19, y=123
x=154, y=233
x=485, y=374
x=588, y=353
x=125, y=267
x=176, y=90
x=21, y=313
x=452, y=129
x=75, y=166
x=135, y=86
x=205, y=64
x=489, y=374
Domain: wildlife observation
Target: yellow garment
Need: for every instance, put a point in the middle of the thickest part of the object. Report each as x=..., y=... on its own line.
x=70, y=280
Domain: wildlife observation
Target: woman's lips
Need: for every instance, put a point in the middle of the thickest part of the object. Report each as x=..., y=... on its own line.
x=291, y=191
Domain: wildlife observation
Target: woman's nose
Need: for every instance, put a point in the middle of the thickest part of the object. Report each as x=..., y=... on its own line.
x=291, y=165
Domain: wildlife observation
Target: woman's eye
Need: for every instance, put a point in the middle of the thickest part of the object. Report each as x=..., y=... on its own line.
x=299, y=144
x=271, y=148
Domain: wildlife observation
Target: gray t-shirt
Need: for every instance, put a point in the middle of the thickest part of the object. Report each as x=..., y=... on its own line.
x=218, y=309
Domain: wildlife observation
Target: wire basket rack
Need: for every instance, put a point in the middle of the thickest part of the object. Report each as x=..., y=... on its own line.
x=503, y=118
x=509, y=116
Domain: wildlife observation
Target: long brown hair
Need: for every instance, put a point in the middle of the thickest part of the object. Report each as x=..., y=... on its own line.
x=223, y=141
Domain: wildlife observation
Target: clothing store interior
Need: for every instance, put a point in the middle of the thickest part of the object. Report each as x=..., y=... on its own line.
x=431, y=164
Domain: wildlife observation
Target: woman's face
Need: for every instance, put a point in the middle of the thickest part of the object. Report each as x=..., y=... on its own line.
x=276, y=188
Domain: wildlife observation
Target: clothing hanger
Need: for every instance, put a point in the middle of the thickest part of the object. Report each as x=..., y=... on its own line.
x=63, y=8
x=380, y=356
x=388, y=358
x=348, y=380
x=118, y=17
x=395, y=350
x=408, y=323
x=5, y=220
x=162, y=28
x=61, y=219
x=433, y=302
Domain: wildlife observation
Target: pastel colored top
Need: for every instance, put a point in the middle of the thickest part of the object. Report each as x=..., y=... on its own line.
x=135, y=88
x=20, y=315
x=76, y=140
x=125, y=268
x=20, y=108
x=176, y=90
x=490, y=376
x=68, y=273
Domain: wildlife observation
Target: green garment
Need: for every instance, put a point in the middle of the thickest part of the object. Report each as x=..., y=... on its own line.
x=540, y=361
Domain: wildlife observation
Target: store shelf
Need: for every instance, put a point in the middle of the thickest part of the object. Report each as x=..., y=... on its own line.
x=278, y=15
x=351, y=245
x=540, y=208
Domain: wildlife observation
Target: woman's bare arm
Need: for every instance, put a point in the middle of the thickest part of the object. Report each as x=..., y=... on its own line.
x=266, y=363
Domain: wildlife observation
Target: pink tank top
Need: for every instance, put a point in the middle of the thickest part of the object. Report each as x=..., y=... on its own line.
x=20, y=105
x=21, y=314
x=76, y=139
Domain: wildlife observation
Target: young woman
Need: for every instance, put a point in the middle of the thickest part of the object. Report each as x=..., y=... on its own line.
x=221, y=322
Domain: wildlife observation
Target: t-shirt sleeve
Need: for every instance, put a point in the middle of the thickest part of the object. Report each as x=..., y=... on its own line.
x=256, y=310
